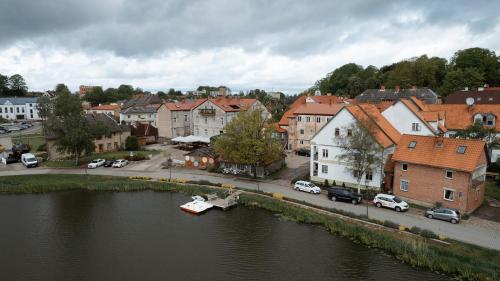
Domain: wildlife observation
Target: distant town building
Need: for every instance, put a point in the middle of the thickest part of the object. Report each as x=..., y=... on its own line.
x=110, y=109
x=14, y=108
x=143, y=100
x=275, y=95
x=175, y=118
x=383, y=94
x=483, y=95
x=139, y=114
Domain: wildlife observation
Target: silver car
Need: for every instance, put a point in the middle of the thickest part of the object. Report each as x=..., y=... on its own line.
x=445, y=214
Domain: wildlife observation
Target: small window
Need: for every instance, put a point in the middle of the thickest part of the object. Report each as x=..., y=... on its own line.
x=175, y=119
x=318, y=119
x=206, y=132
x=185, y=118
x=206, y=120
x=337, y=132
x=461, y=149
x=299, y=119
x=369, y=176
x=404, y=166
x=449, y=174
x=308, y=119
x=449, y=194
x=415, y=127
x=349, y=132
x=412, y=144
x=325, y=153
x=301, y=131
x=324, y=169
x=403, y=185
x=301, y=142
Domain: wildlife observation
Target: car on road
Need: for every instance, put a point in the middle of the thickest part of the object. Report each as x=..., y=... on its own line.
x=108, y=163
x=343, y=194
x=12, y=128
x=307, y=187
x=29, y=160
x=2, y=131
x=96, y=163
x=390, y=201
x=23, y=126
x=120, y=163
x=446, y=214
x=303, y=152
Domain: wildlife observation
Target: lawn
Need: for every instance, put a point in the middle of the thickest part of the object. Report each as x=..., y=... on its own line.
x=492, y=190
x=33, y=140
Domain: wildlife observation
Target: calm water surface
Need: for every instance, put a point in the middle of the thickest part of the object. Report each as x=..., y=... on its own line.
x=144, y=236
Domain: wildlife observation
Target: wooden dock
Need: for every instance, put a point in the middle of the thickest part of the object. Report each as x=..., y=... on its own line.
x=223, y=203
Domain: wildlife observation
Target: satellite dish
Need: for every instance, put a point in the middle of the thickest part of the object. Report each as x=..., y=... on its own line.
x=469, y=101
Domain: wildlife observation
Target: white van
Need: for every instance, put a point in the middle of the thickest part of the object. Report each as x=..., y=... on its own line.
x=29, y=160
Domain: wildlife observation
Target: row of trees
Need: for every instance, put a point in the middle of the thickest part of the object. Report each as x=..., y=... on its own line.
x=471, y=68
x=12, y=85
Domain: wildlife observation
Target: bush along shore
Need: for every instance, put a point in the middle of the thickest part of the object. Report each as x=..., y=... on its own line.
x=411, y=246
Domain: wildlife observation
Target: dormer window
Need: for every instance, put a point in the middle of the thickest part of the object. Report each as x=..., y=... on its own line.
x=478, y=118
x=490, y=120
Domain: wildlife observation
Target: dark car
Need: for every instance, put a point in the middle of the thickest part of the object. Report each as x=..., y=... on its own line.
x=303, y=152
x=446, y=214
x=108, y=163
x=343, y=194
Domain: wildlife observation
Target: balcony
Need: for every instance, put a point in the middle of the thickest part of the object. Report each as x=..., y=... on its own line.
x=207, y=111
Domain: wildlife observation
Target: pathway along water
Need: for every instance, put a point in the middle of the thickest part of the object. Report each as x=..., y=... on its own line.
x=144, y=236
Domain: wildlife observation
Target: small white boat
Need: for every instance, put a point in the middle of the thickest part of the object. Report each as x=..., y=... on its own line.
x=198, y=198
x=196, y=207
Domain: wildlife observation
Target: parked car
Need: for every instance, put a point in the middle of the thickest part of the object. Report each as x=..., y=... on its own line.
x=96, y=163
x=390, y=201
x=108, y=163
x=343, y=194
x=24, y=126
x=29, y=125
x=13, y=128
x=120, y=163
x=2, y=131
x=29, y=160
x=307, y=187
x=446, y=214
x=303, y=152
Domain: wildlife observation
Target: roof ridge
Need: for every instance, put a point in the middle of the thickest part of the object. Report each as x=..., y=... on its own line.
x=376, y=123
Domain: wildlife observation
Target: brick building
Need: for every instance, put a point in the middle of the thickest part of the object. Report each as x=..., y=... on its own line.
x=432, y=170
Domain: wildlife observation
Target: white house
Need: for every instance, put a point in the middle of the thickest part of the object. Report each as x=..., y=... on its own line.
x=325, y=163
x=14, y=108
x=139, y=114
x=210, y=117
x=406, y=117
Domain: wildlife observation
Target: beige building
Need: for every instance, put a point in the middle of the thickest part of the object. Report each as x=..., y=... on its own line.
x=113, y=142
x=210, y=117
x=110, y=109
x=175, y=119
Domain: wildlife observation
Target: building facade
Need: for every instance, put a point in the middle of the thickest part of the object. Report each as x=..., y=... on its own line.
x=139, y=114
x=110, y=109
x=435, y=170
x=14, y=108
x=175, y=119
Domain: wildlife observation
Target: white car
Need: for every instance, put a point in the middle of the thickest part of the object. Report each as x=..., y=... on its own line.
x=96, y=163
x=390, y=201
x=307, y=187
x=120, y=163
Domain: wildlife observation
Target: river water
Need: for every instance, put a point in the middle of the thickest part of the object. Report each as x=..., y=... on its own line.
x=145, y=236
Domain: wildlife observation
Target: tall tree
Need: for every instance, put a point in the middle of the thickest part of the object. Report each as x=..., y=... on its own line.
x=69, y=125
x=4, y=84
x=458, y=79
x=247, y=140
x=17, y=85
x=44, y=108
x=359, y=150
x=485, y=61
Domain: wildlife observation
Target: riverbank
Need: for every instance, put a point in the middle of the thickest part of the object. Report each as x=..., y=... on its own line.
x=460, y=259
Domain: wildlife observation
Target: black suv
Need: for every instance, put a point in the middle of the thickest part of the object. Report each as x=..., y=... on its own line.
x=303, y=152
x=342, y=194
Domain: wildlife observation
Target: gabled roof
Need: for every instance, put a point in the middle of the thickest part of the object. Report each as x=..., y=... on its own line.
x=184, y=105
x=140, y=109
x=415, y=110
x=460, y=116
x=383, y=132
x=107, y=120
x=486, y=96
x=328, y=99
x=18, y=101
x=318, y=109
x=378, y=95
x=427, y=152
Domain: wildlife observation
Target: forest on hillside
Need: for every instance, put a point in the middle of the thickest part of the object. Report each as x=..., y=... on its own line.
x=472, y=68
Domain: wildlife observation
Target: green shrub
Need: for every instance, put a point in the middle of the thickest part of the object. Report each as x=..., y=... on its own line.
x=391, y=224
x=334, y=183
x=415, y=230
x=326, y=185
x=136, y=157
x=343, y=184
x=131, y=143
x=428, y=234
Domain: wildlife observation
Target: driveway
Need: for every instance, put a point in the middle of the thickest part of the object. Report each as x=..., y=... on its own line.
x=474, y=231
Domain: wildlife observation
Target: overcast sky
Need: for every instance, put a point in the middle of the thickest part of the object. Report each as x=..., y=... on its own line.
x=272, y=45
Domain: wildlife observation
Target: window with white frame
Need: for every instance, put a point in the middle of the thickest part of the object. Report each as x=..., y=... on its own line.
x=404, y=185
x=404, y=166
x=299, y=119
x=318, y=119
x=369, y=175
x=449, y=194
x=308, y=119
x=490, y=120
x=337, y=132
x=449, y=174
x=415, y=127
x=325, y=153
x=301, y=141
x=324, y=169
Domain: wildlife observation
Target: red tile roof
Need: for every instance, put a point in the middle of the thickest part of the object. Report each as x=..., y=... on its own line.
x=318, y=109
x=383, y=132
x=233, y=104
x=106, y=107
x=426, y=152
x=302, y=100
x=184, y=105
x=460, y=116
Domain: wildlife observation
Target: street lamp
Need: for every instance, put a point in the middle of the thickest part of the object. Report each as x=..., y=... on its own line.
x=169, y=163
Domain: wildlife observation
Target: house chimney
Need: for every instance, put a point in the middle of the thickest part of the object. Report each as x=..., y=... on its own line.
x=382, y=87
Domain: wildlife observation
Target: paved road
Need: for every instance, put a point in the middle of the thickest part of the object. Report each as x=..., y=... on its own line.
x=486, y=236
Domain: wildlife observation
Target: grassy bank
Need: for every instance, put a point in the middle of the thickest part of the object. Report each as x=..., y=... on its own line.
x=459, y=259
x=33, y=140
x=463, y=260
x=70, y=163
